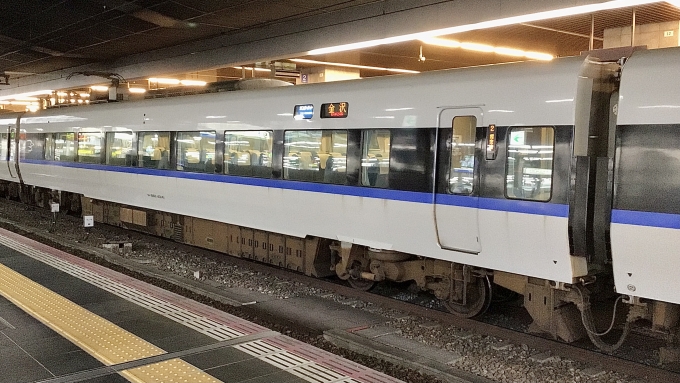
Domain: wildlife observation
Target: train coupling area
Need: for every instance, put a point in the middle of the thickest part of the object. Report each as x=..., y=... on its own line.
x=64, y=319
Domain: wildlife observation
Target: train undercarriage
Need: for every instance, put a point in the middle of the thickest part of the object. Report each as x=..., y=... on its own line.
x=563, y=311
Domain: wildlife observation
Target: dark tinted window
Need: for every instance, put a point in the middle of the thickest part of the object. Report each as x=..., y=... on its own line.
x=648, y=169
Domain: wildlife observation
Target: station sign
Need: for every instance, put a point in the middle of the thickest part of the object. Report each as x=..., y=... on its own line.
x=334, y=110
x=303, y=112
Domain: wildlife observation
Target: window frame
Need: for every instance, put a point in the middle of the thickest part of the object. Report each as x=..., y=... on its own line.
x=250, y=170
x=94, y=159
x=364, y=176
x=55, y=137
x=507, y=164
x=190, y=166
x=319, y=173
x=130, y=156
x=163, y=162
x=449, y=189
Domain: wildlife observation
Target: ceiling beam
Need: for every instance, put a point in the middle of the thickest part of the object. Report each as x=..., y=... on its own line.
x=376, y=20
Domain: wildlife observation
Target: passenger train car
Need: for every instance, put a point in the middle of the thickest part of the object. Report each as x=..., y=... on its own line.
x=550, y=179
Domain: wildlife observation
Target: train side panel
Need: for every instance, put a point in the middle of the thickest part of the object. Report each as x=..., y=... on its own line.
x=513, y=238
x=645, y=230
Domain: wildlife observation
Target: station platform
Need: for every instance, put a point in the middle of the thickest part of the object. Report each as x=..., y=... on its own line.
x=64, y=319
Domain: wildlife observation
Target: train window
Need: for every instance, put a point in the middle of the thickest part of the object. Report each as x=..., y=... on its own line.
x=462, y=155
x=65, y=147
x=31, y=146
x=315, y=155
x=529, y=163
x=119, y=149
x=49, y=147
x=3, y=147
x=90, y=147
x=196, y=151
x=153, y=150
x=375, y=160
x=248, y=153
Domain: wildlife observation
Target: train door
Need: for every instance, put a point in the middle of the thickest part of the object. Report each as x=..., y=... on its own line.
x=9, y=149
x=455, y=193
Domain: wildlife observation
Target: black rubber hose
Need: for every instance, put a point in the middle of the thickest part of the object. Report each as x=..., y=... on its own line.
x=588, y=323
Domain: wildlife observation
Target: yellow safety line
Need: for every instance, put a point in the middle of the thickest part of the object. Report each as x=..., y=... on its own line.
x=100, y=338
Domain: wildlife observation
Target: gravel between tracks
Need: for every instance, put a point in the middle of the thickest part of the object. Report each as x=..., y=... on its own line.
x=482, y=355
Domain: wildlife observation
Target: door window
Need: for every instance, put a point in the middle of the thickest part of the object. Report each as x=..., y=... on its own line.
x=462, y=155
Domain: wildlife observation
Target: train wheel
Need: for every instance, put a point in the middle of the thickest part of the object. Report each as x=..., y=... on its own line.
x=361, y=284
x=478, y=299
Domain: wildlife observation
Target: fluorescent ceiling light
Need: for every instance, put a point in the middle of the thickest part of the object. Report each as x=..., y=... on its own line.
x=251, y=68
x=137, y=90
x=99, y=88
x=27, y=94
x=193, y=82
x=353, y=66
x=168, y=81
x=487, y=48
x=570, y=11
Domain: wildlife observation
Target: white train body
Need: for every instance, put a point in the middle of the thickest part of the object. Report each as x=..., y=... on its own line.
x=644, y=240
x=528, y=94
x=550, y=239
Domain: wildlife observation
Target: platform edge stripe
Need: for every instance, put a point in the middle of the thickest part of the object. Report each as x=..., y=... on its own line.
x=329, y=360
x=207, y=312
x=131, y=294
x=66, y=260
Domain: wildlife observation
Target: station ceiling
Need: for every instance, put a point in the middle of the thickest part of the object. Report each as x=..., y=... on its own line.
x=48, y=37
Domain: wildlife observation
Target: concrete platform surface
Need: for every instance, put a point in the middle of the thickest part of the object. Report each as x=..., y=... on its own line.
x=59, y=316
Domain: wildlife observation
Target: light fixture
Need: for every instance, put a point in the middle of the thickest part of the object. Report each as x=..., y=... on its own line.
x=255, y=69
x=487, y=48
x=193, y=82
x=27, y=94
x=167, y=81
x=137, y=90
x=354, y=66
x=99, y=88
x=570, y=11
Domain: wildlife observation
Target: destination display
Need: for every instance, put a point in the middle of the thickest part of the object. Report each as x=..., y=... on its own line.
x=334, y=110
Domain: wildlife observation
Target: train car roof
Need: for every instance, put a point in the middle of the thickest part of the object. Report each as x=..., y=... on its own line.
x=650, y=88
x=528, y=93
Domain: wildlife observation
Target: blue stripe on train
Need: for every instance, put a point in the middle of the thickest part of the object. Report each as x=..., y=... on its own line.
x=641, y=218
x=515, y=206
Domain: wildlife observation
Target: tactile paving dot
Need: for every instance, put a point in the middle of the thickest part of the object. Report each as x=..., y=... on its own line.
x=170, y=371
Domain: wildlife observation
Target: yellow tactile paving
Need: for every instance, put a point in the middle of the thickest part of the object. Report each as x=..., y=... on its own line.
x=100, y=338
x=170, y=371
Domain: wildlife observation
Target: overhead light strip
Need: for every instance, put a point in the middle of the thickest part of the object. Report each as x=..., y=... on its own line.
x=571, y=11
x=396, y=70
x=487, y=48
x=27, y=94
x=255, y=69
